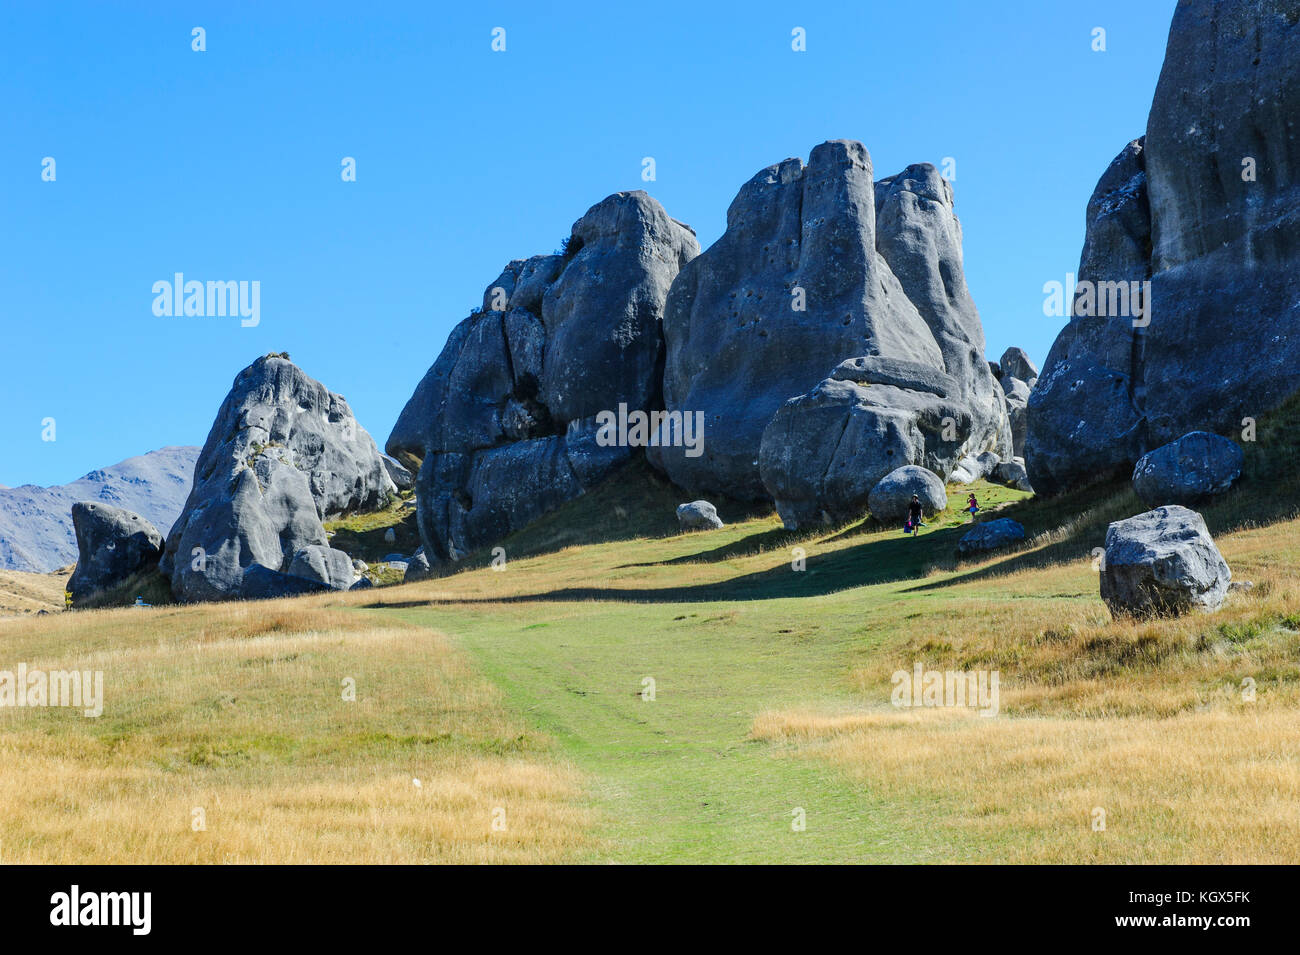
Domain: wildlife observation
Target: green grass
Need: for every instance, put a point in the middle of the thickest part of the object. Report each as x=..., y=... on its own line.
x=604, y=593
x=362, y=535
x=678, y=779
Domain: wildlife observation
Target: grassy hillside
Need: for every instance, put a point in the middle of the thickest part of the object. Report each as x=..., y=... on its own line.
x=523, y=689
x=26, y=593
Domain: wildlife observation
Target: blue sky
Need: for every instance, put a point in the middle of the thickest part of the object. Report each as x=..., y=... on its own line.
x=225, y=165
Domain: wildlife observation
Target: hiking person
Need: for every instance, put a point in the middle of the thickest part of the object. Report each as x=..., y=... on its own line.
x=914, y=515
x=972, y=505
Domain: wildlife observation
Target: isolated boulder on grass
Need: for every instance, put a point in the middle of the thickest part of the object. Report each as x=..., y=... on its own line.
x=1162, y=563
x=112, y=544
x=989, y=536
x=698, y=516
x=1190, y=470
x=890, y=498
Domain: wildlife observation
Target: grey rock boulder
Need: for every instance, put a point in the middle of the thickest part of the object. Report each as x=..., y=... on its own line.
x=402, y=479
x=793, y=287
x=503, y=427
x=112, y=544
x=698, y=516
x=1188, y=471
x=258, y=582
x=824, y=452
x=417, y=569
x=326, y=565
x=1016, y=363
x=973, y=467
x=890, y=499
x=823, y=271
x=284, y=454
x=990, y=536
x=1012, y=474
x=1162, y=563
x=1017, y=393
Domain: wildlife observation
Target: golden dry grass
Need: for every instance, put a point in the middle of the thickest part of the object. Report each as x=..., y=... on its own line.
x=237, y=710
x=1145, y=720
x=24, y=593
x=1211, y=787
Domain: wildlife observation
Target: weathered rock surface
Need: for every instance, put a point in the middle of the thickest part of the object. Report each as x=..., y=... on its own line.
x=326, y=565
x=824, y=452
x=417, y=568
x=1012, y=474
x=284, y=454
x=112, y=544
x=1016, y=363
x=1017, y=394
x=402, y=478
x=1162, y=563
x=989, y=536
x=1188, y=471
x=828, y=337
x=1207, y=208
x=890, y=498
x=973, y=467
x=503, y=427
x=698, y=516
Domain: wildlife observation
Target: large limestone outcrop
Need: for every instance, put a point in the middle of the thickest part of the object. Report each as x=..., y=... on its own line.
x=1207, y=208
x=284, y=454
x=503, y=427
x=1162, y=563
x=112, y=544
x=820, y=265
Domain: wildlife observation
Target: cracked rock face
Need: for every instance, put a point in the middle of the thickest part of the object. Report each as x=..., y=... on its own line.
x=284, y=454
x=503, y=427
x=828, y=337
x=1207, y=208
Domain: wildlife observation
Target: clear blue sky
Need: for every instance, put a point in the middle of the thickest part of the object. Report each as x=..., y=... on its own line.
x=226, y=165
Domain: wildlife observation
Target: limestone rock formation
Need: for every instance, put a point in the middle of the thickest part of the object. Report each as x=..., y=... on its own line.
x=698, y=516
x=1162, y=563
x=890, y=498
x=828, y=337
x=1206, y=207
x=990, y=536
x=284, y=454
x=1011, y=474
x=112, y=544
x=503, y=427
x=1015, y=363
x=1190, y=470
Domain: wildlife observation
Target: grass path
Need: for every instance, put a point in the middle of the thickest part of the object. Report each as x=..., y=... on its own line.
x=679, y=778
x=772, y=694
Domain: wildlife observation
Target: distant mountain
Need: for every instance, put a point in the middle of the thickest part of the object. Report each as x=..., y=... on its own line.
x=36, y=522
